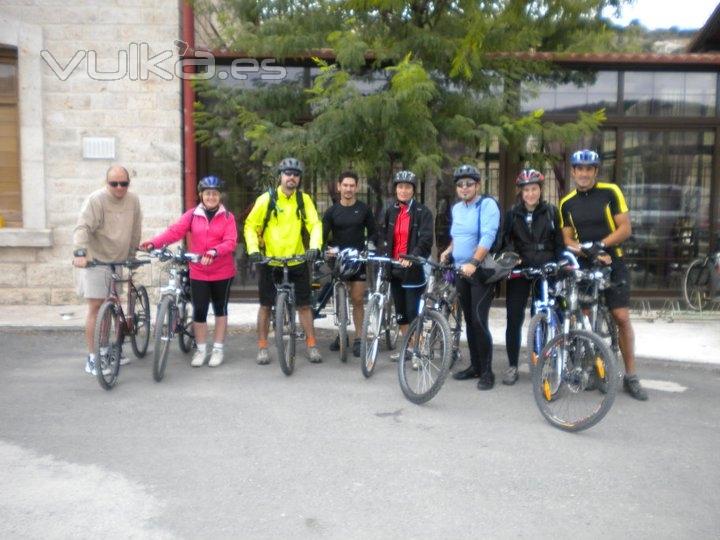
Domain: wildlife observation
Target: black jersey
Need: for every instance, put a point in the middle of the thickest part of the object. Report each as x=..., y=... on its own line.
x=349, y=226
x=590, y=213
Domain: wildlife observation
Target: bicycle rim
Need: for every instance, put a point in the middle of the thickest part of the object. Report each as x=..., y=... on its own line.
x=423, y=365
x=108, y=345
x=186, y=337
x=140, y=337
x=696, y=285
x=370, y=341
x=392, y=328
x=567, y=379
x=284, y=334
x=163, y=335
x=342, y=320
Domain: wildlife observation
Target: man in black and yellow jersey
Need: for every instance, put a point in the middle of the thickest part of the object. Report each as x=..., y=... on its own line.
x=596, y=215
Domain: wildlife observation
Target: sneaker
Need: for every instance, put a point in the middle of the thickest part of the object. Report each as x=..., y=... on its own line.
x=216, y=358
x=510, y=376
x=356, y=348
x=314, y=355
x=631, y=384
x=198, y=358
x=394, y=357
x=486, y=381
x=90, y=366
x=263, y=357
x=124, y=360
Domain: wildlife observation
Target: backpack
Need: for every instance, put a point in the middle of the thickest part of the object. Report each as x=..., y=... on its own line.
x=497, y=243
x=272, y=208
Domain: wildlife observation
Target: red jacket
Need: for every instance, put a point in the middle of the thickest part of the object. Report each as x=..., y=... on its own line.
x=219, y=234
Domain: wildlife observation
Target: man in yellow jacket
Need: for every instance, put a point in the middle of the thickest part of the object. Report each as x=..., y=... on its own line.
x=275, y=223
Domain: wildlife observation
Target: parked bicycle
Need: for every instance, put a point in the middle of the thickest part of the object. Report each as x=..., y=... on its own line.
x=174, y=311
x=113, y=324
x=576, y=378
x=701, y=282
x=379, y=320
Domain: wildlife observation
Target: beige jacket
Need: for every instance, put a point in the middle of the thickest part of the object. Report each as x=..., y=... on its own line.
x=109, y=228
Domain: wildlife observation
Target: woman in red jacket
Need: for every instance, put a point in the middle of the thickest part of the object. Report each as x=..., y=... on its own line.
x=214, y=235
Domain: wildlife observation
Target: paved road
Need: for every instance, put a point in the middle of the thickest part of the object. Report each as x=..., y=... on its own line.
x=243, y=451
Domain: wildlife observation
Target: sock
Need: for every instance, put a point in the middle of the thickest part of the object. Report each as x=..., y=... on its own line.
x=262, y=344
x=311, y=342
x=201, y=347
x=218, y=346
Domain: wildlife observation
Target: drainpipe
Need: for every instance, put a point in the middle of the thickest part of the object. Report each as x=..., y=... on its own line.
x=188, y=95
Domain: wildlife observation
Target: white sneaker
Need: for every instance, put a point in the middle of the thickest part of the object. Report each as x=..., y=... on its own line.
x=90, y=366
x=216, y=358
x=124, y=360
x=198, y=358
x=263, y=357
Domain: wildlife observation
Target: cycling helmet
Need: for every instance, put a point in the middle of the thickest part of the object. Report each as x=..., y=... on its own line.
x=501, y=265
x=466, y=171
x=585, y=157
x=407, y=177
x=347, y=264
x=529, y=176
x=210, y=182
x=291, y=164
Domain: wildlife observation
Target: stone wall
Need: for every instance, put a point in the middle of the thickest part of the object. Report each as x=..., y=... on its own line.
x=143, y=116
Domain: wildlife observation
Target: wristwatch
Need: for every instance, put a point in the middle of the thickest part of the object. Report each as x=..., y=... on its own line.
x=474, y=262
x=80, y=252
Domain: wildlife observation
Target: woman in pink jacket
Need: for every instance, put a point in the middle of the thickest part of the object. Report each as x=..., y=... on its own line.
x=214, y=235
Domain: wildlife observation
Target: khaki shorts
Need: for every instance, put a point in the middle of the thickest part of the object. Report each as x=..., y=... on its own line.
x=93, y=282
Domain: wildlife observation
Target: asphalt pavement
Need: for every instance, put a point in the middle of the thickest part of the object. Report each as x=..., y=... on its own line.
x=242, y=451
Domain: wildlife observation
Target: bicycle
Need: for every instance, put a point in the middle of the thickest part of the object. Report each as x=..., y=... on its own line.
x=112, y=324
x=379, y=316
x=174, y=311
x=426, y=351
x=576, y=363
x=283, y=314
x=701, y=282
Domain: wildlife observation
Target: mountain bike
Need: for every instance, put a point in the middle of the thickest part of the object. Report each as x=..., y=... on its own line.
x=426, y=350
x=337, y=290
x=576, y=378
x=379, y=320
x=701, y=282
x=113, y=324
x=174, y=311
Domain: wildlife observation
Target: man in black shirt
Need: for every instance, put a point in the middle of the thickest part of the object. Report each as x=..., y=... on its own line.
x=348, y=224
x=596, y=212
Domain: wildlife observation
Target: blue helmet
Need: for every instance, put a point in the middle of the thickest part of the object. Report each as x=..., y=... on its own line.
x=585, y=157
x=210, y=182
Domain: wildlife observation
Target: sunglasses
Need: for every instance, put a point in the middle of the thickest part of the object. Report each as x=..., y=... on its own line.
x=292, y=173
x=465, y=184
x=116, y=184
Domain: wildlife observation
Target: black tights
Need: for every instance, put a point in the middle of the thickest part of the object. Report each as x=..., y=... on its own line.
x=475, y=299
x=516, y=298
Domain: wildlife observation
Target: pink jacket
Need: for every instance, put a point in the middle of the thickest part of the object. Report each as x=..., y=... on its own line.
x=219, y=234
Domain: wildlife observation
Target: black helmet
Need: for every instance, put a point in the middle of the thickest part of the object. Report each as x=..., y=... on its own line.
x=466, y=171
x=407, y=177
x=291, y=164
x=210, y=182
x=501, y=264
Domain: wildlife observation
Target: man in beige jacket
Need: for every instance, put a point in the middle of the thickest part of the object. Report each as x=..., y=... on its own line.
x=107, y=230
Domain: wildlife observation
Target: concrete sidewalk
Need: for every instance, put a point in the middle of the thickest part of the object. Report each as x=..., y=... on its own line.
x=688, y=341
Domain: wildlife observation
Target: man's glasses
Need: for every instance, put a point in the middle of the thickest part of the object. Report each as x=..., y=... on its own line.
x=116, y=184
x=465, y=184
x=296, y=174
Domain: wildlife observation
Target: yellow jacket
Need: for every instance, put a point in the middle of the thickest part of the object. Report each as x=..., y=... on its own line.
x=282, y=237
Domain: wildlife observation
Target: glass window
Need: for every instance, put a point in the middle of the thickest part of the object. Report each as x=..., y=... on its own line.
x=10, y=185
x=597, y=93
x=666, y=180
x=669, y=94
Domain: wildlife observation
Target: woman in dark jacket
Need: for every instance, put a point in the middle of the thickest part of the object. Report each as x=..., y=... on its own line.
x=531, y=229
x=408, y=229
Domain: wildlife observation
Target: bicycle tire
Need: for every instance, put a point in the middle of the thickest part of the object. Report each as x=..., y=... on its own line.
x=392, y=328
x=607, y=329
x=185, y=331
x=539, y=334
x=555, y=394
x=455, y=320
x=432, y=367
x=140, y=338
x=163, y=335
x=696, y=284
x=285, y=333
x=342, y=320
x=108, y=344
x=370, y=337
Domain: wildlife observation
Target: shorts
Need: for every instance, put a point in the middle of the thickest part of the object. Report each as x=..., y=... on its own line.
x=270, y=275
x=93, y=282
x=618, y=296
x=360, y=275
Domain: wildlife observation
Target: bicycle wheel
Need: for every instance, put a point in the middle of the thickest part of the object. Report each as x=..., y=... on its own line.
x=370, y=339
x=424, y=365
x=562, y=381
x=185, y=334
x=163, y=335
x=141, y=320
x=696, y=285
x=540, y=332
x=108, y=344
x=454, y=319
x=342, y=319
x=285, y=333
x=392, y=328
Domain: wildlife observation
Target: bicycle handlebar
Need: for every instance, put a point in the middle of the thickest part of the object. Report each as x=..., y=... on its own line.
x=283, y=260
x=129, y=263
x=166, y=254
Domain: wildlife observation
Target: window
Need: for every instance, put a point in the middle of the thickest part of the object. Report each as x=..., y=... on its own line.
x=10, y=190
x=583, y=94
x=669, y=94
